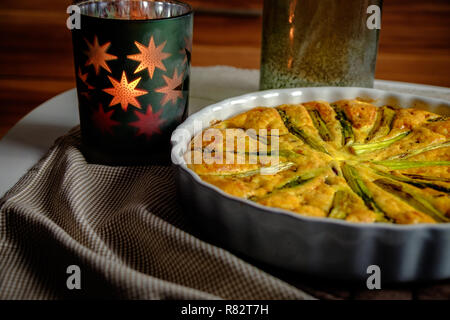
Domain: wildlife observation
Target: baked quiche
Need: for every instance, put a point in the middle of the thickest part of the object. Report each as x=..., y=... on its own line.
x=348, y=160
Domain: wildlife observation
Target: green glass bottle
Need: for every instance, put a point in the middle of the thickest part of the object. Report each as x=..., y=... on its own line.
x=319, y=43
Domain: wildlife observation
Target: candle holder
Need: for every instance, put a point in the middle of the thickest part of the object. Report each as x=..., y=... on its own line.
x=310, y=43
x=132, y=64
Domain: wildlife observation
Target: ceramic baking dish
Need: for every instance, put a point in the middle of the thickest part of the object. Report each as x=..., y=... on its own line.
x=316, y=246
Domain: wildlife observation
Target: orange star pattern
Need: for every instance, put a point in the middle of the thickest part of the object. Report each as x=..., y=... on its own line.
x=172, y=90
x=151, y=57
x=97, y=55
x=124, y=92
x=83, y=78
x=148, y=123
x=103, y=121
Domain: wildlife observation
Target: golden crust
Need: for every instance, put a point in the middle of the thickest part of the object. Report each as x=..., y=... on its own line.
x=361, y=114
x=257, y=118
x=408, y=119
x=440, y=127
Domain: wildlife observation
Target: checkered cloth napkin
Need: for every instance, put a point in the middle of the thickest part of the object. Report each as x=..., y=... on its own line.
x=124, y=229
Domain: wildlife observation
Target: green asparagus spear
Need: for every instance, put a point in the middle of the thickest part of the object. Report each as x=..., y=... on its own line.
x=262, y=138
x=348, y=137
x=341, y=201
x=264, y=170
x=438, y=119
x=404, y=164
x=292, y=183
x=276, y=168
x=429, y=178
x=414, y=199
x=412, y=153
x=414, y=182
x=373, y=146
x=358, y=186
x=320, y=125
x=298, y=180
x=301, y=134
x=383, y=123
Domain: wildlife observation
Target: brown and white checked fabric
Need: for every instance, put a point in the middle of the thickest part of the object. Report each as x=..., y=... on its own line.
x=123, y=227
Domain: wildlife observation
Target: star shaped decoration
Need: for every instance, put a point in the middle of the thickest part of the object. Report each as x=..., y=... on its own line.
x=148, y=123
x=102, y=120
x=150, y=57
x=83, y=78
x=186, y=51
x=125, y=92
x=172, y=89
x=97, y=55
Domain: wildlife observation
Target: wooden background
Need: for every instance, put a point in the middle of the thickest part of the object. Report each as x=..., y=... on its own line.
x=36, y=50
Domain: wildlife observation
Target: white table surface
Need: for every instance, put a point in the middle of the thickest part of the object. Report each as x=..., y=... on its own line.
x=31, y=137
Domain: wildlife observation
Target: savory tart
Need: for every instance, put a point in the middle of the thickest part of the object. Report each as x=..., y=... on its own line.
x=347, y=160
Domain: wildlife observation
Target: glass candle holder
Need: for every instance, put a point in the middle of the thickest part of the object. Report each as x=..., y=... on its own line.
x=132, y=64
x=309, y=43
